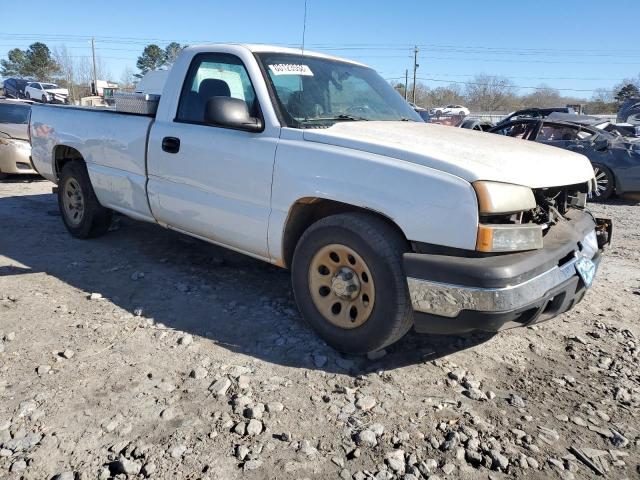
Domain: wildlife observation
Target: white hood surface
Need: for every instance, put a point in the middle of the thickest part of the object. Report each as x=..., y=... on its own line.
x=468, y=154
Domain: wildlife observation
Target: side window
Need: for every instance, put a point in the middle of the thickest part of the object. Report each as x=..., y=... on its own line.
x=214, y=75
x=556, y=133
x=517, y=130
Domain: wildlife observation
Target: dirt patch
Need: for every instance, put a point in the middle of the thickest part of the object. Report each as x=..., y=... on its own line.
x=147, y=353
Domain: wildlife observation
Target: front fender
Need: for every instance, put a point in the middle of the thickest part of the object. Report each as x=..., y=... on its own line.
x=429, y=205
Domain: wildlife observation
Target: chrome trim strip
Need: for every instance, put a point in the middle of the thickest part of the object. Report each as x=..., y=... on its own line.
x=449, y=300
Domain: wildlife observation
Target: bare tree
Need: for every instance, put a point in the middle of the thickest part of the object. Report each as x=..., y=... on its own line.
x=442, y=96
x=127, y=79
x=490, y=93
x=543, y=97
x=67, y=70
x=84, y=67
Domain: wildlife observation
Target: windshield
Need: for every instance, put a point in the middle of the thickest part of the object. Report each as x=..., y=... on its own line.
x=49, y=86
x=317, y=92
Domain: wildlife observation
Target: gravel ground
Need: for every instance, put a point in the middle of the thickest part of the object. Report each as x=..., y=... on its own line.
x=145, y=353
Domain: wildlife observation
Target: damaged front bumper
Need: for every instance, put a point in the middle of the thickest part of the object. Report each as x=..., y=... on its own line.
x=459, y=294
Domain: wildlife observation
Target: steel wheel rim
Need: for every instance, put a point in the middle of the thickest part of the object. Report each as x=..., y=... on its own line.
x=341, y=286
x=73, y=201
x=602, y=182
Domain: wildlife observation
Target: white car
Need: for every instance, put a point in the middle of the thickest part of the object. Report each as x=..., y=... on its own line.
x=451, y=110
x=46, y=92
x=317, y=165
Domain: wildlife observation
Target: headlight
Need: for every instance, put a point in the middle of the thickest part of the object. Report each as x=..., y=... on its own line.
x=496, y=197
x=508, y=238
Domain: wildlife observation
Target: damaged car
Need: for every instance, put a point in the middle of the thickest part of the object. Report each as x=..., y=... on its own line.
x=15, y=149
x=615, y=159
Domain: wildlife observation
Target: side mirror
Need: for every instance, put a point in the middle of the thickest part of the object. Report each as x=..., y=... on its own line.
x=231, y=113
x=601, y=144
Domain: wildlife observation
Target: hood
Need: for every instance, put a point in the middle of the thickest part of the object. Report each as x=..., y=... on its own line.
x=468, y=154
x=59, y=91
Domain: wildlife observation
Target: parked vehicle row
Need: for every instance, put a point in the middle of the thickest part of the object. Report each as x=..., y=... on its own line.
x=43, y=92
x=315, y=163
x=46, y=93
x=615, y=159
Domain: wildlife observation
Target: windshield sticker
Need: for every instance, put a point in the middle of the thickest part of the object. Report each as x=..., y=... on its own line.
x=291, y=69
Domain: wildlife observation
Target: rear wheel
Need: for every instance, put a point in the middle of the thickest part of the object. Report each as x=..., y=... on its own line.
x=349, y=282
x=604, y=182
x=81, y=212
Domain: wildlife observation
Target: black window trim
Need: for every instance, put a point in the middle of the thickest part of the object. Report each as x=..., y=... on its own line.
x=195, y=62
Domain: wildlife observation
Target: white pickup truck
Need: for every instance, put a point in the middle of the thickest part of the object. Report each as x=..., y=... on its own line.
x=314, y=163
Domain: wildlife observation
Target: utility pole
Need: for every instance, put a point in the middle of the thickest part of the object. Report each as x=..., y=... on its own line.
x=415, y=69
x=95, y=74
x=406, y=82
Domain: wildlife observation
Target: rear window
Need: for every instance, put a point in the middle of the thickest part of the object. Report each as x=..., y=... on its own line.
x=14, y=113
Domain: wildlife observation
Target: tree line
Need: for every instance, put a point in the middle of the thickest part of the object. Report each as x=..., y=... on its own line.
x=482, y=93
x=491, y=93
x=39, y=62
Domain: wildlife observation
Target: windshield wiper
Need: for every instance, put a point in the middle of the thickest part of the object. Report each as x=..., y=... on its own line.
x=342, y=117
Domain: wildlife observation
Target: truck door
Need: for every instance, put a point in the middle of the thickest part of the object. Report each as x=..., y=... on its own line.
x=211, y=181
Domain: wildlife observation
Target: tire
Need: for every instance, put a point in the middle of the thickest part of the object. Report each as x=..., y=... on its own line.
x=438, y=113
x=461, y=113
x=605, y=182
x=383, y=310
x=82, y=214
x=44, y=99
x=27, y=96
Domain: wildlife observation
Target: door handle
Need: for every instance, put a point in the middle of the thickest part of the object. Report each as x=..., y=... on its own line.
x=171, y=144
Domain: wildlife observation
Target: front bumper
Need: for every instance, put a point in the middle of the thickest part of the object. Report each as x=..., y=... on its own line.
x=460, y=294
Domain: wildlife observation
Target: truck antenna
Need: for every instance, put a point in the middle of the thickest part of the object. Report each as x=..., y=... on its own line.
x=304, y=31
x=304, y=26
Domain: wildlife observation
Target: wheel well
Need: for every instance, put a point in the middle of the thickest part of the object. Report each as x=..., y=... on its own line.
x=63, y=154
x=309, y=210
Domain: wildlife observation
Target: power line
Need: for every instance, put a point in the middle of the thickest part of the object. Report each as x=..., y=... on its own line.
x=503, y=85
x=344, y=46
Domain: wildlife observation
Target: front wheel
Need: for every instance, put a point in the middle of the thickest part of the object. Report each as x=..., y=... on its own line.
x=349, y=283
x=604, y=182
x=28, y=96
x=44, y=99
x=81, y=212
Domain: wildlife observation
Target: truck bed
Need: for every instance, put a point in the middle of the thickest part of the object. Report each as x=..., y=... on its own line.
x=113, y=145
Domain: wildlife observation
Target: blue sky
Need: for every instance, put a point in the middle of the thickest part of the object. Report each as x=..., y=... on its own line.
x=572, y=45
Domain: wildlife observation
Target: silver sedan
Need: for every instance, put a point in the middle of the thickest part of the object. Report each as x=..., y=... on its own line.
x=15, y=149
